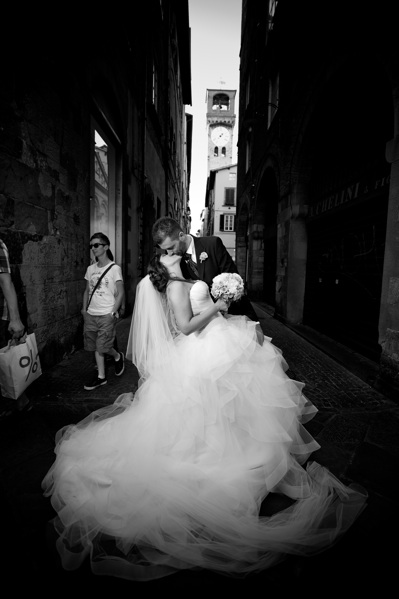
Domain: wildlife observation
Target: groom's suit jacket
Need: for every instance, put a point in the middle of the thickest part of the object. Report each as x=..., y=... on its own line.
x=218, y=260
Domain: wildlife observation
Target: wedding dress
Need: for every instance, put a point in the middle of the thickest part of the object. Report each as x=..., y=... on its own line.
x=174, y=476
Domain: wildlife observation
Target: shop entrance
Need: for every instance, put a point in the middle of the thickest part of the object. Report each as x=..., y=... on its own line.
x=344, y=274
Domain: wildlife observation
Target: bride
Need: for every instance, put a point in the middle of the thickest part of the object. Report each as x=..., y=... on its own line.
x=174, y=476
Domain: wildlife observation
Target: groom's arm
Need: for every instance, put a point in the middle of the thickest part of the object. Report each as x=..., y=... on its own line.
x=224, y=260
x=242, y=306
x=227, y=264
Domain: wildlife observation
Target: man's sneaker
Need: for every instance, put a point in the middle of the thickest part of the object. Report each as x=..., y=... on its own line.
x=120, y=364
x=95, y=382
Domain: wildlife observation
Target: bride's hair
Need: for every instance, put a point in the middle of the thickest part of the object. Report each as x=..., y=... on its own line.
x=150, y=344
x=159, y=274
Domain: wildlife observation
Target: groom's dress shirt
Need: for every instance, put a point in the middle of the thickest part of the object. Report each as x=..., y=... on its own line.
x=191, y=250
x=191, y=260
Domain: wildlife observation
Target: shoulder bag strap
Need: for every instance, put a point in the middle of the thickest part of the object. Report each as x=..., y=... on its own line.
x=98, y=282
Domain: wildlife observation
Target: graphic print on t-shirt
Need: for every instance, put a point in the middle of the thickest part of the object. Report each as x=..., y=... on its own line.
x=104, y=283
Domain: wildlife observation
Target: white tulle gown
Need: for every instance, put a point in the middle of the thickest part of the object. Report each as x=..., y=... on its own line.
x=173, y=477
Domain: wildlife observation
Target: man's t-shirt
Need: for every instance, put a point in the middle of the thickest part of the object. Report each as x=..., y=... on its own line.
x=103, y=299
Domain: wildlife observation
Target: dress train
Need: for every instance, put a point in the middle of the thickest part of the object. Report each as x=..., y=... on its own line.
x=174, y=476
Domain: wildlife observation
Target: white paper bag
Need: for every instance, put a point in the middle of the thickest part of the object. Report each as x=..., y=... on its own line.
x=19, y=366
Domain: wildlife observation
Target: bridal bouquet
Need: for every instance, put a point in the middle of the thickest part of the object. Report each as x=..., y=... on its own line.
x=228, y=286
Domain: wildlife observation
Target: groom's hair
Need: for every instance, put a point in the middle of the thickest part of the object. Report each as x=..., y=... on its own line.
x=165, y=227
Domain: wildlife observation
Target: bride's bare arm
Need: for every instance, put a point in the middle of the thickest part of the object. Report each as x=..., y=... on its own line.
x=179, y=299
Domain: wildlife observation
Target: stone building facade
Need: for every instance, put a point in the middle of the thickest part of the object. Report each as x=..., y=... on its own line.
x=65, y=80
x=318, y=170
x=220, y=203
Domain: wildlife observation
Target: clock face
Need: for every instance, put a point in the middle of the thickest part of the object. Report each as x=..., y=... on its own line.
x=220, y=136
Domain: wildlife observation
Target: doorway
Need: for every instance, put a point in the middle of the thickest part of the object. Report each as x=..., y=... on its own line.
x=105, y=185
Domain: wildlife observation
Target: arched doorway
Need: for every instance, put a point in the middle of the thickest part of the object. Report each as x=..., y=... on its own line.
x=262, y=253
x=242, y=254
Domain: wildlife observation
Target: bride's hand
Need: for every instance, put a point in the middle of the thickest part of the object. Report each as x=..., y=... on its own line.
x=222, y=305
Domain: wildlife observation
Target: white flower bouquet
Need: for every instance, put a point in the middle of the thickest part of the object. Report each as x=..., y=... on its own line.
x=228, y=286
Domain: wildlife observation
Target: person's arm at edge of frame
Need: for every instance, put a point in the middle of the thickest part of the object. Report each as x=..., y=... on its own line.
x=16, y=326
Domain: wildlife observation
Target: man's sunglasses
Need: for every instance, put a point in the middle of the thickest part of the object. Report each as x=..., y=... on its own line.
x=96, y=245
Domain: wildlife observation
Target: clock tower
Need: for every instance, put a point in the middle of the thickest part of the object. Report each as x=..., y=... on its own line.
x=220, y=120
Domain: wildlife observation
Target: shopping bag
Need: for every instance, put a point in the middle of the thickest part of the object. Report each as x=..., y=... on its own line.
x=19, y=366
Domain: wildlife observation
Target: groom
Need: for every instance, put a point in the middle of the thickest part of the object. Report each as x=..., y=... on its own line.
x=202, y=258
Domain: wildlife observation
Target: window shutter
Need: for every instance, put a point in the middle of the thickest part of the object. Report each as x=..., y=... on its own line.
x=229, y=196
x=221, y=223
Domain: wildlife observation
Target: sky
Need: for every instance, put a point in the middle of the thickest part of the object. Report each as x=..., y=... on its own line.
x=215, y=57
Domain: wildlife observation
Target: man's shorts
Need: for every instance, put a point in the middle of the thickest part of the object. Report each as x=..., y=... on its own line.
x=99, y=333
